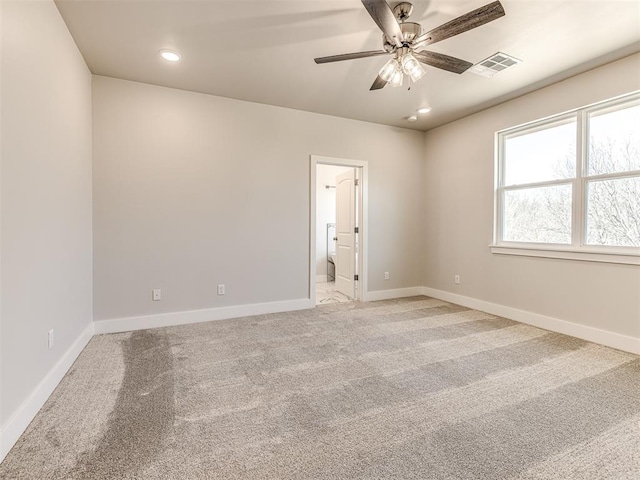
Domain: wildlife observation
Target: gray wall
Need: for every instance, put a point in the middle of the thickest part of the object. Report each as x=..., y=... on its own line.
x=192, y=190
x=459, y=213
x=46, y=196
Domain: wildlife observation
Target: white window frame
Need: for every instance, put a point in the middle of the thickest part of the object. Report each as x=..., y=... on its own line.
x=578, y=249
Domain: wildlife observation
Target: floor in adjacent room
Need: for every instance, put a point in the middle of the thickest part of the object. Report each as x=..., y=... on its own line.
x=412, y=388
x=326, y=293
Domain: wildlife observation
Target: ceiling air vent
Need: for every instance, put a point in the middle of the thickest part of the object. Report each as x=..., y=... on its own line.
x=494, y=64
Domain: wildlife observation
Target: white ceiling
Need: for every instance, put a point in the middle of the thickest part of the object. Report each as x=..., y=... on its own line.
x=263, y=50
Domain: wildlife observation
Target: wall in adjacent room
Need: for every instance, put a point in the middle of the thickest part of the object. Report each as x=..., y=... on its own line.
x=45, y=206
x=193, y=190
x=325, y=213
x=459, y=208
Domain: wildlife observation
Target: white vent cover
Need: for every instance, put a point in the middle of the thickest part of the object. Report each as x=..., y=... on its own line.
x=494, y=64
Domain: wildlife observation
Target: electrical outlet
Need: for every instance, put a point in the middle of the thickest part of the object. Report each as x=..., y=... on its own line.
x=50, y=338
x=156, y=295
x=220, y=289
x=386, y=275
x=456, y=279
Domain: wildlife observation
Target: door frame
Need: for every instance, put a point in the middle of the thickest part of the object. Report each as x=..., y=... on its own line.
x=363, y=227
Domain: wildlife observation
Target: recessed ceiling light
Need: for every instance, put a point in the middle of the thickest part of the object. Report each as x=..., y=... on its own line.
x=169, y=55
x=412, y=118
x=422, y=110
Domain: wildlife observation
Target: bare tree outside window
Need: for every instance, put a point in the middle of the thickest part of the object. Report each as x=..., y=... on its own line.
x=540, y=178
x=541, y=213
x=538, y=215
x=613, y=205
x=613, y=212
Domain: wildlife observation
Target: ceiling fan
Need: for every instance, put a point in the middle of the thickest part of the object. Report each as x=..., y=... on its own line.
x=403, y=40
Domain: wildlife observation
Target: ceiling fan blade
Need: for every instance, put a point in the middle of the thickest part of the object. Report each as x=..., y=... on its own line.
x=471, y=20
x=445, y=62
x=378, y=83
x=385, y=19
x=350, y=56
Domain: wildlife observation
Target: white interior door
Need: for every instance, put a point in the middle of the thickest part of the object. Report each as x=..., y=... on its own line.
x=345, y=232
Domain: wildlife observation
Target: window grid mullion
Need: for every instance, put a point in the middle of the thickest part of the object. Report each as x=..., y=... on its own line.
x=612, y=176
x=579, y=183
x=578, y=233
x=499, y=202
x=500, y=197
x=549, y=183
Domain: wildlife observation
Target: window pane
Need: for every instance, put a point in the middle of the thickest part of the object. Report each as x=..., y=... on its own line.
x=539, y=215
x=614, y=141
x=613, y=212
x=548, y=154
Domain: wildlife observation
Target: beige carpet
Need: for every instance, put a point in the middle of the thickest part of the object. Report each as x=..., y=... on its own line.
x=410, y=388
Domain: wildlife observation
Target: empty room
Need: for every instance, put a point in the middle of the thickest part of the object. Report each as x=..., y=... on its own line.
x=341, y=239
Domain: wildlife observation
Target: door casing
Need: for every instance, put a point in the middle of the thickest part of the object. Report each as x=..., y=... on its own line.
x=363, y=215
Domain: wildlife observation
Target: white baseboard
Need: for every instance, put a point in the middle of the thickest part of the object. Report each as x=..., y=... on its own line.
x=197, y=316
x=321, y=278
x=591, y=334
x=20, y=420
x=395, y=293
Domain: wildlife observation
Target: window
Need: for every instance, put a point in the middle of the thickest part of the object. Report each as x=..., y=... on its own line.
x=571, y=183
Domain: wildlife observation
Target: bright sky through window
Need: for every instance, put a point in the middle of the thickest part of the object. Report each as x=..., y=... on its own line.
x=572, y=180
x=541, y=156
x=619, y=132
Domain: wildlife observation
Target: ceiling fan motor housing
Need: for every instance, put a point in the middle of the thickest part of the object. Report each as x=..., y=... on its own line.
x=410, y=31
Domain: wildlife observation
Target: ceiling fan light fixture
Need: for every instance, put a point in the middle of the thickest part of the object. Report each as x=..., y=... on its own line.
x=412, y=67
x=389, y=69
x=417, y=74
x=397, y=78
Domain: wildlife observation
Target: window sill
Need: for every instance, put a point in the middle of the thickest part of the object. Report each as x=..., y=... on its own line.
x=587, y=255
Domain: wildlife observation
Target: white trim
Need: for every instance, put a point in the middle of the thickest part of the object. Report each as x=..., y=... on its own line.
x=579, y=201
x=591, y=334
x=567, y=254
x=142, y=322
x=363, y=246
x=394, y=293
x=312, y=231
x=529, y=186
x=614, y=102
x=20, y=420
x=579, y=184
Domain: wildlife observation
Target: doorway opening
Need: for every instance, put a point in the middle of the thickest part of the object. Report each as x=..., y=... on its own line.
x=338, y=230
